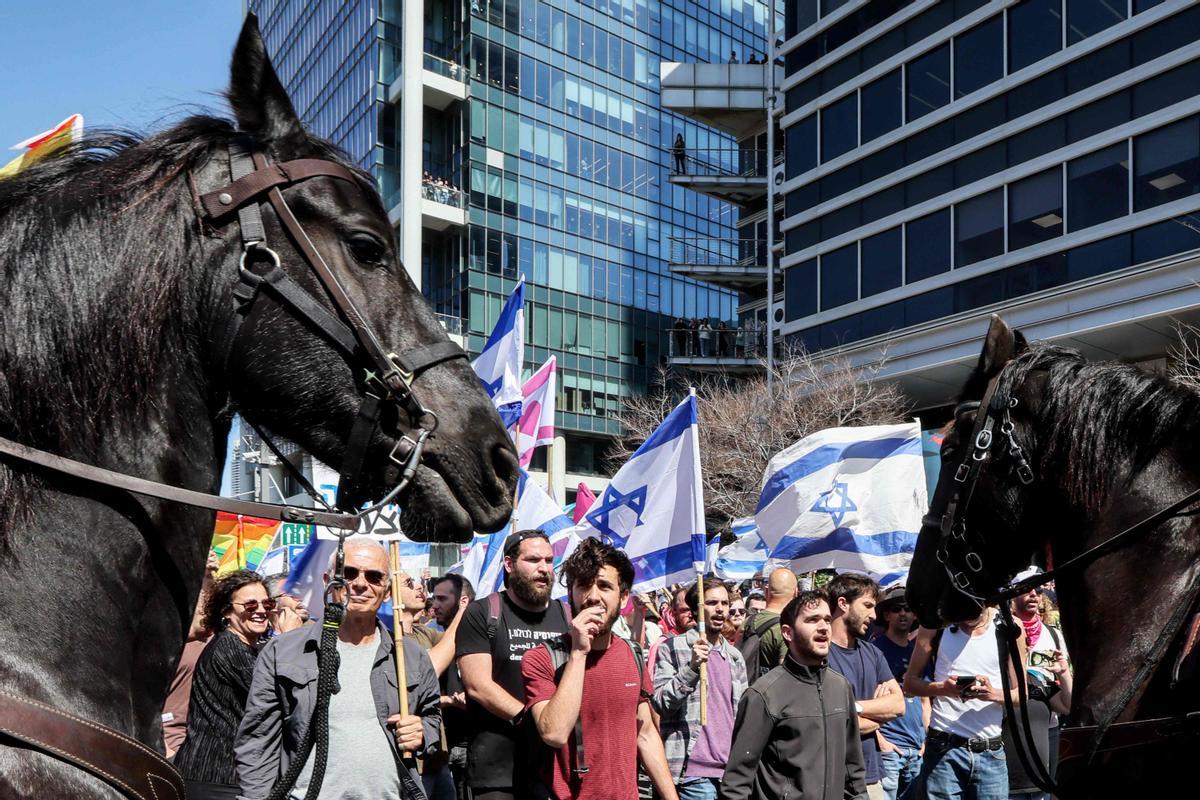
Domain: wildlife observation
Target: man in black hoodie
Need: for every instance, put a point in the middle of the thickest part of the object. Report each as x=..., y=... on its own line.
x=796, y=733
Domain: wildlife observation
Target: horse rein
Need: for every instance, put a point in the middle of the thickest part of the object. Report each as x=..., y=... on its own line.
x=992, y=417
x=121, y=761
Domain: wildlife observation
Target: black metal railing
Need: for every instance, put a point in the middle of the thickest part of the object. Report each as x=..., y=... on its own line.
x=698, y=339
x=727, y=162
x=717, y=252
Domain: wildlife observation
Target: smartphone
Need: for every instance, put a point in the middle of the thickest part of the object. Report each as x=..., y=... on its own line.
x=964, y=681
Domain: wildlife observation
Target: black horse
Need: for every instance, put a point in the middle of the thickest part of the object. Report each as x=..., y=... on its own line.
x=113, y=297
x=1095, y=448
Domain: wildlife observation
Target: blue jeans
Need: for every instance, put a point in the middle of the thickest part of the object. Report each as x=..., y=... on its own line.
x=956, y=773
x=697, y=788
x=900, y=771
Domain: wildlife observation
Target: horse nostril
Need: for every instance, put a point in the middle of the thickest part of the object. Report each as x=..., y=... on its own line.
x=505, y=466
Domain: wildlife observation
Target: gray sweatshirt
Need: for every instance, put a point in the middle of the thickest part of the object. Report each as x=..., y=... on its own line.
x=796, y=736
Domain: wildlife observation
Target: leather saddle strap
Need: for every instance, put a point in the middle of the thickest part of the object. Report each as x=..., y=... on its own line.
x=119, y=760
x=1074, y=742
x=229, y=198
x=174, y=494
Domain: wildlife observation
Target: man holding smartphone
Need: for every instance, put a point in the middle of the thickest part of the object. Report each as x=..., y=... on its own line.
x=964, y=750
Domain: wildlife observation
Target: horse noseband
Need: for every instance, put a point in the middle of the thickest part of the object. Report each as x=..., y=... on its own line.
x=387, y=377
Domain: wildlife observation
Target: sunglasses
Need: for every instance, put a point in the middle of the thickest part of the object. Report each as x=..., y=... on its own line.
x=737, y=612
x=250, y=606
x=372, y=576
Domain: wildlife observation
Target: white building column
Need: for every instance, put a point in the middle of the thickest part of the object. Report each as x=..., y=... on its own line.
x=412, y=116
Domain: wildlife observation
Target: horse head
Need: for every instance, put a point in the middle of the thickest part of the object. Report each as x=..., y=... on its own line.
x=962, y=560
x=282, y=372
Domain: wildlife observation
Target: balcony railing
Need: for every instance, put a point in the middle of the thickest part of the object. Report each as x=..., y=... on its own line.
x=714, y=252
x=695, y=342
x=450, y=69
x=444, y=194
x=453, y=325
x=720, y=162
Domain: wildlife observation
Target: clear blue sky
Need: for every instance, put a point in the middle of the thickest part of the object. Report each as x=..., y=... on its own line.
x=131, y=63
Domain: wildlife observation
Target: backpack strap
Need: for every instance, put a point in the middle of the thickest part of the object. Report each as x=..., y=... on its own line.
x=763, y=626
x=1054, y=634
x=493, y=601
x=559, y=650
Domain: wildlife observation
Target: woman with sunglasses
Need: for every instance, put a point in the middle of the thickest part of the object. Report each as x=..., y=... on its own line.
x=239, y=609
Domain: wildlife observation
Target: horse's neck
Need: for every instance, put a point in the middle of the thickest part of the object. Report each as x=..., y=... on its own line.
x=1115, y=612
x=99, y=584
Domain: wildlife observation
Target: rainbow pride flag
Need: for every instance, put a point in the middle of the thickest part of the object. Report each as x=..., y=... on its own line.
x=241, y=542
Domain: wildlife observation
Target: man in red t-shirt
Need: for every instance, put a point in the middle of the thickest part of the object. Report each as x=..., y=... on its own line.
x=596, y=697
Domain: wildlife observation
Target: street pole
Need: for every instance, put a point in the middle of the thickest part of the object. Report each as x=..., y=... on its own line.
x=771, y=201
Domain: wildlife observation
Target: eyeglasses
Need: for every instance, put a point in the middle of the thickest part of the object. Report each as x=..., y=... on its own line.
x=372, y=576
x=250, y=606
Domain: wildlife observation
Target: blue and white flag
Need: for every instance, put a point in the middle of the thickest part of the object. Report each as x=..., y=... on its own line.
x=500, y=364
x=483, y=563
x=849, y=499
x=744, y=558
x=653, y=508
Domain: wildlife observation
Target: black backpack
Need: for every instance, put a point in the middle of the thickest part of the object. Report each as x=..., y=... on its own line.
x=749, y=645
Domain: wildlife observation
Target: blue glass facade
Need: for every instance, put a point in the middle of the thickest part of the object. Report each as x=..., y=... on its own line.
x=980, y=153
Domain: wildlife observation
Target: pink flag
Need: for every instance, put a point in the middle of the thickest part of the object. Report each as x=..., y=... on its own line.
x=583, y=501
x=536, y=425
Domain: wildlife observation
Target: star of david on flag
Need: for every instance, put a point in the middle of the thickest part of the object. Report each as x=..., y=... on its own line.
x=846, y=499
x=500, y=363
x=653, y=508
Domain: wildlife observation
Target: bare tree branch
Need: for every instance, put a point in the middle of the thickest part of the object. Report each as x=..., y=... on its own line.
x=742, y=425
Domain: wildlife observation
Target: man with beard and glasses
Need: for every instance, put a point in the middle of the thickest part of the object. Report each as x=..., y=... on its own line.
x=877, y=694
x=588, y=691
x=494, y=634
x=698, y=753
x=902, y=740
x=796, y=733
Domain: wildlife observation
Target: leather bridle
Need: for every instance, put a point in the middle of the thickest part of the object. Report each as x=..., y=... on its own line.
x=992, y=435
x=387, y=378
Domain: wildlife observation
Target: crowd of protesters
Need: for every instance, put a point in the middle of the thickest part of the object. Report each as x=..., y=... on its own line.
x=834, y=693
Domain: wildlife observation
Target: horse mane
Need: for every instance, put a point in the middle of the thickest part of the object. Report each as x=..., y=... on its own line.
x=1101, y=422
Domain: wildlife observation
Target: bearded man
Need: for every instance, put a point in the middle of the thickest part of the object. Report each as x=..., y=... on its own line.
x=591, y=686
x=493, y=635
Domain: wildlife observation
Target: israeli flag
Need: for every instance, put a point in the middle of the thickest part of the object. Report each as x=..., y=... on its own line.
x=746, y=557
x=653, y=508
x=849, y=499
x=483, y=563
x=499, y=365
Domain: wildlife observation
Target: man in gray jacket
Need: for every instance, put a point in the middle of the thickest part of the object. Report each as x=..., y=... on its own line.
x=366, y=731
x=796, y=733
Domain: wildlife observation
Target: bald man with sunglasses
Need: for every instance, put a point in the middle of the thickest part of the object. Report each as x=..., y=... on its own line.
x=366, y=731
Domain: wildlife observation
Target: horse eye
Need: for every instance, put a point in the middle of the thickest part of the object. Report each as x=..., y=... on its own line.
x=366, y=249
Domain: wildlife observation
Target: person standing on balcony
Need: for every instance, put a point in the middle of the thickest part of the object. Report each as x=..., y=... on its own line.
x=680, y=332
x=679, y=150
x=733, y=59
x=705, y=338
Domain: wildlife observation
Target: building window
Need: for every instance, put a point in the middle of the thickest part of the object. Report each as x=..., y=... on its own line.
x=979, y=56
x=801, y=155
x=927, y=246
x=928, y=82
x=800, y=290
x=839, y=277
x=839, y=127
x=979, y=228
x=881, y=262
x=1035, y=209
x=1034, y=32
x=1098, y=187
x=1088, y=17
x=882, y=106
x=1166, y=164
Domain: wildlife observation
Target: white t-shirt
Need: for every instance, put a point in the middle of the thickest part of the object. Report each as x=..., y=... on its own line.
x=960, y=653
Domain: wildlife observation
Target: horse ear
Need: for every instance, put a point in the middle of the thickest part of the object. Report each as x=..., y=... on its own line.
x=260, y=103
x=1000, y=346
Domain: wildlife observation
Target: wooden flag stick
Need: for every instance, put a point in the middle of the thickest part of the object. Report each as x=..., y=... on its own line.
x=398, y=630
x=703, y=664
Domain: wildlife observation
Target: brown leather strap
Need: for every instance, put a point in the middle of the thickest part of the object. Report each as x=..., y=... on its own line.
x=229, y=198
x=1074, y=742
x=119, y=760
x=175, y=494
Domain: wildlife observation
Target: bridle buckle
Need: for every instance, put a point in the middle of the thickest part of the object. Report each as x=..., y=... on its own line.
x=403, y=450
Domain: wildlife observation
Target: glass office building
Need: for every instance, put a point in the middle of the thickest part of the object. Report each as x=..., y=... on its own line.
x=946, y=160
x=543, y=152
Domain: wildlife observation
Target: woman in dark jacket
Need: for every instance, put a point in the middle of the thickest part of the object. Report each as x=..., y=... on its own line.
x=238, y=607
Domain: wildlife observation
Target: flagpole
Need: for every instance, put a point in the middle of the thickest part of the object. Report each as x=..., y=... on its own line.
x=398, y=631
x=703, y=664
x=517, y=488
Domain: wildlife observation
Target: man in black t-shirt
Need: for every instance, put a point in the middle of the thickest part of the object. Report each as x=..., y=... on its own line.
x=492, y=638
